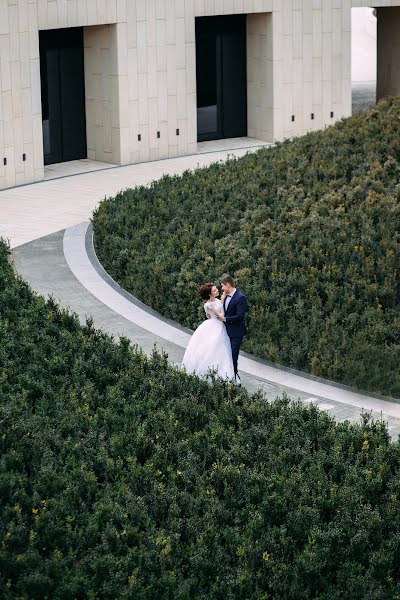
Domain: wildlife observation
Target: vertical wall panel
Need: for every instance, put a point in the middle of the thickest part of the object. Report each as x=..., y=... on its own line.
x=140, y=72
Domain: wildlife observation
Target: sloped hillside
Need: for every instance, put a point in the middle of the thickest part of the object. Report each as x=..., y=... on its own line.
x=121, y=477
x=310, y=229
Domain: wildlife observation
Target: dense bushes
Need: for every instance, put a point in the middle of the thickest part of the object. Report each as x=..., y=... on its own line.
x=309, y=228
x=121, y=477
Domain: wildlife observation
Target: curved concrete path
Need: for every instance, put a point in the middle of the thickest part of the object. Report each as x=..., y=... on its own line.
x=64, y=265
x=81, y=259
x=34, y=219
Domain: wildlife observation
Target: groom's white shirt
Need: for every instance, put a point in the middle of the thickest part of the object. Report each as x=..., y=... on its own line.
x=229, y=298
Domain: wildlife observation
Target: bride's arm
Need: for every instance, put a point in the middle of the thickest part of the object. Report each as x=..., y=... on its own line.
x=219, y=312
x=207, y=311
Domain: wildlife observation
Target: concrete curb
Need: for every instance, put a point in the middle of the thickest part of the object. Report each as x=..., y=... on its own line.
x=83, y=262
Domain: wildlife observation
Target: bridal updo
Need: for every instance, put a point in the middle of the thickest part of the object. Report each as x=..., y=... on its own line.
x=204, y=290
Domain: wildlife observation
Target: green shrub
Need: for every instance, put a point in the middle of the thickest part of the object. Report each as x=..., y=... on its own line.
x=310, y=229
x=121, y=477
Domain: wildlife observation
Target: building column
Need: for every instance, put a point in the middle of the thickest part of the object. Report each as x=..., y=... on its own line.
x=388, y=58
x=106, y=93
x=260, y=80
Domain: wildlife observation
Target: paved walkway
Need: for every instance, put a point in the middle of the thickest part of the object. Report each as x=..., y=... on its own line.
x=63, y=264
x=33, y=211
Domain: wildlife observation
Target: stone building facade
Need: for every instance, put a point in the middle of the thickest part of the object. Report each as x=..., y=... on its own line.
x=123, y=75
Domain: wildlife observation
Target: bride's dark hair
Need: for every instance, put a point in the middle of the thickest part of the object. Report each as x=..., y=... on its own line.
x=205, y=290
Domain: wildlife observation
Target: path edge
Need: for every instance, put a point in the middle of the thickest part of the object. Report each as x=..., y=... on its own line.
x=96, y=264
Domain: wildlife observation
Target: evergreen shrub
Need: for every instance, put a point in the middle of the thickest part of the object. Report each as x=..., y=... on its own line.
x=122, y=477
x=310, y=230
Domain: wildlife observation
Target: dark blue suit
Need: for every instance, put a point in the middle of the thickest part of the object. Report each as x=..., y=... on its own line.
x=234, y=321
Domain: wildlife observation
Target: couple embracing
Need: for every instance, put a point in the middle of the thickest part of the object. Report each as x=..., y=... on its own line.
x=216, y=342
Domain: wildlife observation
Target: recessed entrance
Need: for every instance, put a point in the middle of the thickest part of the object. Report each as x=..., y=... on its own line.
x=363, y=58
x=221, y=77
x=375, y=55
x=63, y=95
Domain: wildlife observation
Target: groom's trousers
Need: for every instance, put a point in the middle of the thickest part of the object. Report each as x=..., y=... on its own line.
x=235, y=345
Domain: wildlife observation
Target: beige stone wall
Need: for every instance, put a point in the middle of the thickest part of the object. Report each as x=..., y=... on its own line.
x=260, y=77
x=375, y=4
x=20, y=107
x=312, y=59
x=141, y=80
x=101, y=90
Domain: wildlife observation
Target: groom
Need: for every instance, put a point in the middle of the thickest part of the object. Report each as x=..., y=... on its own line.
x=235, y=308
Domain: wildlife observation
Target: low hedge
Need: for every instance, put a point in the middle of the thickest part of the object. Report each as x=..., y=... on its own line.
x=121, y=477
x=310, y=229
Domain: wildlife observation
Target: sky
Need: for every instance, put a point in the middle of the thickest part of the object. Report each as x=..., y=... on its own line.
x=363, y=43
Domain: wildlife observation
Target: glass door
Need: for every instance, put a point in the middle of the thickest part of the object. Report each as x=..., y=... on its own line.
x=221, y=77
x=208, y=64
x=63, y=95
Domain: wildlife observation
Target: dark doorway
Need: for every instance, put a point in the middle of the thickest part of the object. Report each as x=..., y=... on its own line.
x=63, y=95
x=221, y=77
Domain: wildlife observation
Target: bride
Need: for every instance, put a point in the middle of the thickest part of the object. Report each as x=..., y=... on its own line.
x=209, y=346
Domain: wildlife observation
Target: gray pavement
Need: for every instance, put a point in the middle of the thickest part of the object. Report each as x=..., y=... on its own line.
x=43, y=264
x=30, y=212
x=30, y=215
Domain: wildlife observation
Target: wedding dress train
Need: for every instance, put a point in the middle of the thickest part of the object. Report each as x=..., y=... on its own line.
x=210, y=346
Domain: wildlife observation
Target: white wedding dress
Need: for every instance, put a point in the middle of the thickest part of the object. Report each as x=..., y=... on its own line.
x=210, y=347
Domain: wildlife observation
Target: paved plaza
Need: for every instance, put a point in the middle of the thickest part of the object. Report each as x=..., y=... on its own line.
x=49, y=230
x=32, y=211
